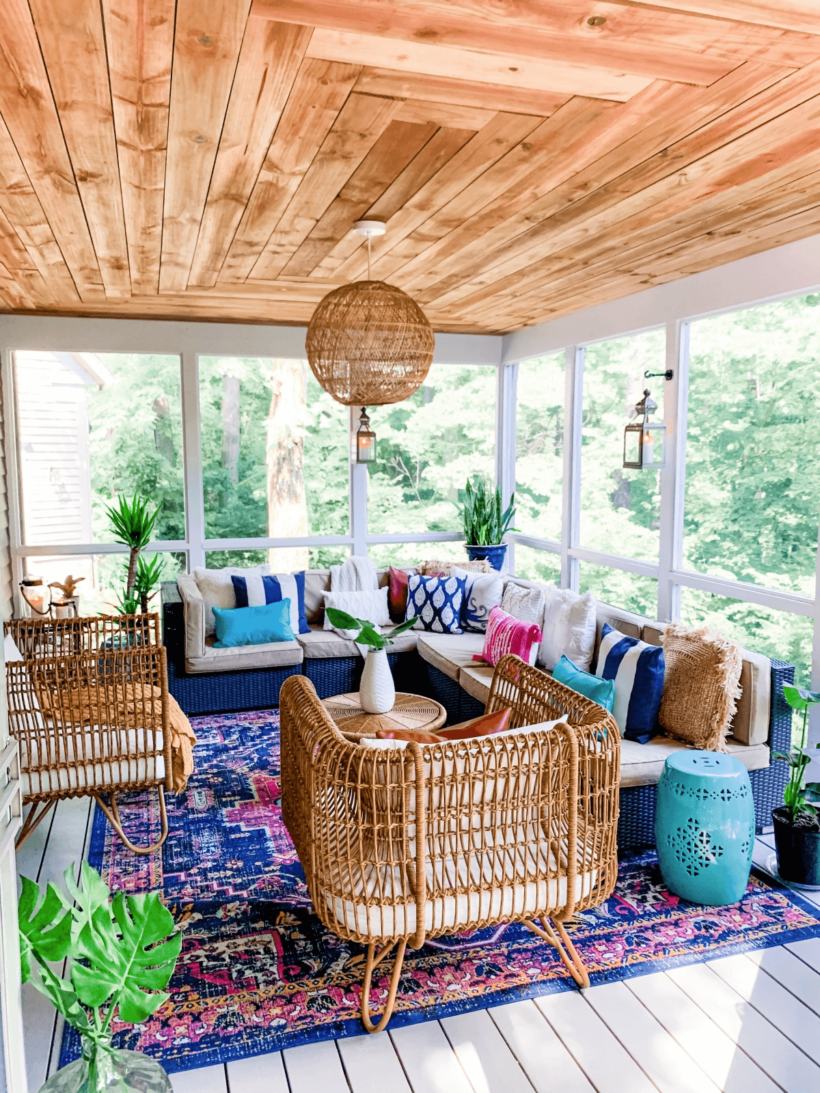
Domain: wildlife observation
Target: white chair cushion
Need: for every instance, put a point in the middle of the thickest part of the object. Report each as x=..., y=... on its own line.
x=101, y=757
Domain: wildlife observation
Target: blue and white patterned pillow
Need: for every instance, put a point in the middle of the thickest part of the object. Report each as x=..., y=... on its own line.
x=435, y=603
x=484, y=592
x=254, y=591
x=638, y=670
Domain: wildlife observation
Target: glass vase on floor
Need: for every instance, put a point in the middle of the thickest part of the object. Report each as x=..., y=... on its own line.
x=106, y=1069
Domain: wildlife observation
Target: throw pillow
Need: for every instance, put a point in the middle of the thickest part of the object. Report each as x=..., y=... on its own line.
x=526, y=604
x=442, y=569
x=488, y=724
x=216, y=588
x=702, y=686
x=255, y=591
x=257, y=625
x=506, y=634
x=568, y=628
x=484, y=592
x=638, y=671
x=435, y=603
x=371, y=606
x=397, y=592
x=396, y=739
x=599, y=690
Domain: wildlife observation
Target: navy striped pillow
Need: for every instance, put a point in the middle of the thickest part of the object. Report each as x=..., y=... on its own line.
x=256, y=590
x=637, y=669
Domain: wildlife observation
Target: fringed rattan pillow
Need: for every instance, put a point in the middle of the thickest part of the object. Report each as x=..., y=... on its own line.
x=701, y=686
x=442, y=569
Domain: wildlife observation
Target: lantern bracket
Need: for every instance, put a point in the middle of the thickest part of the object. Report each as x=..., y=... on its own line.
x=667, y=375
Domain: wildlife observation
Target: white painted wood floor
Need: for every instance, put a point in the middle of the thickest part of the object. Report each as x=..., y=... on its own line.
x=743, y=1024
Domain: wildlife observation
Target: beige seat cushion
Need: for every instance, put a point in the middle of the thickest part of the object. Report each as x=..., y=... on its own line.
x=317, y=582
x=476, y=680
x=642, y=764
x=274, y=654
x=448, y=652
x=322, y=644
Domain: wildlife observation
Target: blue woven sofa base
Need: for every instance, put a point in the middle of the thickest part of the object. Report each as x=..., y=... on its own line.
x=228, y=692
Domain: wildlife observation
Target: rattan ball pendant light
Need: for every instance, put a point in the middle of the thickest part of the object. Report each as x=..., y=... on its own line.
x=369, y=343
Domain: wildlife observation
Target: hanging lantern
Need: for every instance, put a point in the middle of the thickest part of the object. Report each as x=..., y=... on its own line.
x=644, y=440
x=365, y=440
x=369, y=343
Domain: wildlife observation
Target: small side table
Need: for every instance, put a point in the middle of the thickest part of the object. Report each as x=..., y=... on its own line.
x=410, y=712
x=705, y=826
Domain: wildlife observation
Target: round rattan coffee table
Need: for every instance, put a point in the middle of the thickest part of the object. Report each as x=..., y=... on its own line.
x=410, y=712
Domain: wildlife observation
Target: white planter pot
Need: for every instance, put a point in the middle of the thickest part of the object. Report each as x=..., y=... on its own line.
x=377, y=692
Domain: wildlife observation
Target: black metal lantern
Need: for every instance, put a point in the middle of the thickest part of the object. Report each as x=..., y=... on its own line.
x=365, y=440
x=645, y=440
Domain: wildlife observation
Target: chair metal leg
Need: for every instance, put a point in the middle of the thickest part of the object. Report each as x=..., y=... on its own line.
x=373, y=961
x=561, y=941
x=112, y=814
x=33, y=819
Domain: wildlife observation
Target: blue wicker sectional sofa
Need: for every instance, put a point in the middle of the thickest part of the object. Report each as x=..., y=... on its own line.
x=441, y=667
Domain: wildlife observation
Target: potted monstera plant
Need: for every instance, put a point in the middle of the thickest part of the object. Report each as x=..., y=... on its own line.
x=797, y=820
x=486, y=522
x=122, y=952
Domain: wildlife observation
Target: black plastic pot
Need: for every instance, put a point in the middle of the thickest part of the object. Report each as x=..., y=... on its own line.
x=798, y=851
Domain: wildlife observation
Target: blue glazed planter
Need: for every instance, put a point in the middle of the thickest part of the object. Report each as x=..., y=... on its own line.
x=705, y=827
x=495, y=555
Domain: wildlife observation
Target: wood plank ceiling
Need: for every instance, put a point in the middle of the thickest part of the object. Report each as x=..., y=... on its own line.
x=192, y=159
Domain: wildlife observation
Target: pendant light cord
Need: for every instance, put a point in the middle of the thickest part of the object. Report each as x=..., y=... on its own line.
x=368, y=258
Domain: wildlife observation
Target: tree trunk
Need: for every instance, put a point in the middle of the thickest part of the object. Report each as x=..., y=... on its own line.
x=230, y=426
x=287, y=503
x=132, y=571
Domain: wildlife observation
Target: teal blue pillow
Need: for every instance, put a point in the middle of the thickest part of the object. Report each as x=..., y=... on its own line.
x=599, y=690
x=252, y=625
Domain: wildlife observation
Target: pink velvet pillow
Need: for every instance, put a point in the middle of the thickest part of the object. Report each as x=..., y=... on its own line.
x=506, y=634
x=397, y=594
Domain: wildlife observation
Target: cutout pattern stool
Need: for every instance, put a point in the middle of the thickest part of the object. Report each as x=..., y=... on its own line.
x=705, y=827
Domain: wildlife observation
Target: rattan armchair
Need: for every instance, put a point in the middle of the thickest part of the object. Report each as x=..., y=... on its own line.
x=88, y=706
x=401, y=846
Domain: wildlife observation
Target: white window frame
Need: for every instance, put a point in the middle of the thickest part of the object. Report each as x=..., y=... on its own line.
x=190, y=341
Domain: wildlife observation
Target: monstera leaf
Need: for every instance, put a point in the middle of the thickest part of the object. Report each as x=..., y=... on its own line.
x=45, y=931
x=89, y=896
x=127, y=956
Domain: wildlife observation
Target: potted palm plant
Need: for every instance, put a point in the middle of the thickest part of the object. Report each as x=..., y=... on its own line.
x=133, y=524
x=797, y=820
x=122, y=953
x=377, y=692
x=486, y=522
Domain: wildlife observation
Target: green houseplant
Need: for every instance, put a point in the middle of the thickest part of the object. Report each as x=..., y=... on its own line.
x=122, y=954
x=377, y=692
x=797, y=820
x=486, y=522
x=132, y=522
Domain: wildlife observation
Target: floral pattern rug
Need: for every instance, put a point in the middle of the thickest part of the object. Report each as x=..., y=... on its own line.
x=258, y=971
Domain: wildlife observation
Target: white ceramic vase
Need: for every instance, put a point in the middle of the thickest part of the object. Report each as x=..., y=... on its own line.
x=377, y=692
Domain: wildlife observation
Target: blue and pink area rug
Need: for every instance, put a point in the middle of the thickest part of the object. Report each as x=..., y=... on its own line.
x=258, y=971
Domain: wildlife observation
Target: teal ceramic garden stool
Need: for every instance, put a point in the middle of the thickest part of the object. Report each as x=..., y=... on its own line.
x=705, y=827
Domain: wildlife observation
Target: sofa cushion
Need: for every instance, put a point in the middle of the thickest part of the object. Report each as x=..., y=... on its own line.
x=448, y=652
x=476, y=681
x=317, y=582
x=321, y=644
x=278, y=654
x=642, y=764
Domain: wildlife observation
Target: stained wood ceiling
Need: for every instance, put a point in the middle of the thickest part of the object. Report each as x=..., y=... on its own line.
x=207, y=158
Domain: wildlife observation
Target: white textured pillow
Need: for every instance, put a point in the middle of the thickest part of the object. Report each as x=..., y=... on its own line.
x=484, y=592
x=568, y=629
x=371, y=606
x=216, y=588
x=525, y=604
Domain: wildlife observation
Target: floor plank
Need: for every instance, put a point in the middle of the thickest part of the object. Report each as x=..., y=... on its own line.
x=30, y=854
x=769, y=1048
x=659, y=1055
x=208, y=1079
x=372, y=1066
x=768, y=997
x=791, y=972
x=715, y=1052
x=428, y=1059
x=808, y=951
x=261, y=1074
x=605, y=1061
x=484, y=1054
x=545, y=1060
x=315, y=1068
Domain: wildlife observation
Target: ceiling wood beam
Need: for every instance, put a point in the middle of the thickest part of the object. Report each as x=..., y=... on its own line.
x=445, y=90
x=799, y=15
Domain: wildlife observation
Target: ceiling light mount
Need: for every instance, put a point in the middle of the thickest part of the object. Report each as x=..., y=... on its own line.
x=369, y=228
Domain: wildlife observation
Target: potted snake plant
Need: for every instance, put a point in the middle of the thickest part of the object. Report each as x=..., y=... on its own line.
x=486, y=522
x=797, y=820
